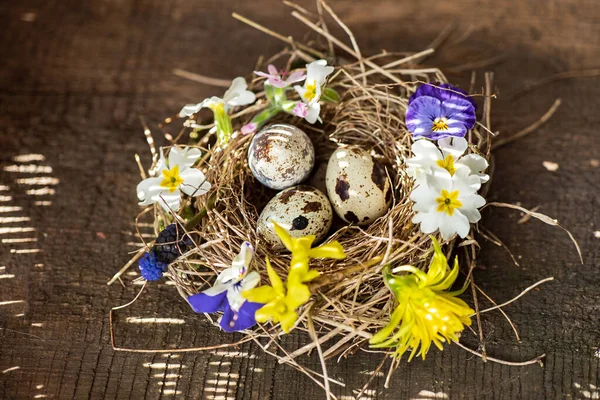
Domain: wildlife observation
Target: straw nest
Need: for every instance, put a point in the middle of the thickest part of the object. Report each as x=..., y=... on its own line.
x=350, y=299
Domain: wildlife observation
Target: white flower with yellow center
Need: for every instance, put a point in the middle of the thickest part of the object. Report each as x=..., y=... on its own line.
x=428, y=159
x=237, y=95
x=448, y=203
x=316, y=76
x=175, y=175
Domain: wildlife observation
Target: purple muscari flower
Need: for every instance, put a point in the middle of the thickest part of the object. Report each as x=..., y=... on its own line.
x=275, y=77
x=226, y=294
x=436, y=114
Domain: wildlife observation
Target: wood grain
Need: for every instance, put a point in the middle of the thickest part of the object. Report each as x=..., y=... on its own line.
x=76, y=75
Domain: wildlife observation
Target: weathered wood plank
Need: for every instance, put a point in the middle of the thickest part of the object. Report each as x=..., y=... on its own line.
x=76, y=75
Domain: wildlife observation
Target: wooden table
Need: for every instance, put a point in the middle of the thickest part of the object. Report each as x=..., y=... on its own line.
x=75, y=76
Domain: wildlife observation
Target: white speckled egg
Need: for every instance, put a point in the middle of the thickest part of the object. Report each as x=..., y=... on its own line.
x=302, y=210
x=358, y=186
x=281, y=156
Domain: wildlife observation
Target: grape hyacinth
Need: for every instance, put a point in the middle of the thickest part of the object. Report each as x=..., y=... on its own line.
x=171, y=243
x=150, y=267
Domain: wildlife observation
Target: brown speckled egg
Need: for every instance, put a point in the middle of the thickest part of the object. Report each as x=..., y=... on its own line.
x=358, y=186
x=302, y=210
x=281, y=156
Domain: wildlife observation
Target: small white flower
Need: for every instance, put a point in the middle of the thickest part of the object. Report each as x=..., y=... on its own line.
x=316, y=76
x=236, y=279
x=237, y=95
x=176, y=175
x=428, y=159
x=447, y=202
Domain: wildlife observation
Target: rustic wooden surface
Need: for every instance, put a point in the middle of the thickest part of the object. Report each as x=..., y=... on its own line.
x=74, y=77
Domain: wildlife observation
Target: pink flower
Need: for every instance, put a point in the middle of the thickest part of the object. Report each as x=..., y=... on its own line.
x=248, y=128
x=301, y=110
x=275, y=77
x=310, y=112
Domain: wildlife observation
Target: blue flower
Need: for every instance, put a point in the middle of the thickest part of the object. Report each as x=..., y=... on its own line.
x=225, y=295
x=440, y=111
x=150, y=267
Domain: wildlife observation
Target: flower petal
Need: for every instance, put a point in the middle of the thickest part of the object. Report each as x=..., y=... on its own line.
x=194, y=182
x=190, y=109
x=218, y=288
x=235, y=298
x=250, y=281
x=301, y=90
x=243, y=319
x=245, y=97
x=170, y=202
x=272, y=70
x=203, y=303
x=476, y=165
x=460, y=109
x=443, y=92
x=262, y=294
x=318, y=70
x=244, y=257
x=312, y=115
x=454, y=146
x=295, y=76
x=420, y=115
x=148, y=191
x=184, y=158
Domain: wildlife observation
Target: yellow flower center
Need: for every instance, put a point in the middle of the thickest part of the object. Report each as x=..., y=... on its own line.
x=440, y=124
x=448, y=164
x=448, y=201
x=311, y=91
x=171, y=179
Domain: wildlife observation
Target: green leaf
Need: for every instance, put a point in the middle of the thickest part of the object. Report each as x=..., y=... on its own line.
x=330, y=95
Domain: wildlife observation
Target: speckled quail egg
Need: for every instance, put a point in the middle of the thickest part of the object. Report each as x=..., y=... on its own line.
x=302, y=210
x=281, y=156
x=358, y=186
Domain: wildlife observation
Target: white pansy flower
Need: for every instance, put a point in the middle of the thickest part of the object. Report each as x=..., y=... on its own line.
x=237, y=95
x=176, y=175
x=316, y=76
x=448, y=203
x=428, y=158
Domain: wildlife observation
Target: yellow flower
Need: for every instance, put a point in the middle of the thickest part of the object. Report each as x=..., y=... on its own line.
x=276, y=300
x=427, y=312
x=281, y=302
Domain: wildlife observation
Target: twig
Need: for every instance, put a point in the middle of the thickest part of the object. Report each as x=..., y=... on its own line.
x=276, y=35
x=517, y=297
x=206, y=80
x=542, y=217
x=136, y=257
x=502, y=141
x=537, y=360
x=585, y=73
x=315, y=338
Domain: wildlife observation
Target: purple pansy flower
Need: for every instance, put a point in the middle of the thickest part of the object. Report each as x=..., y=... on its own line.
x=275, y=77
x=226, y=294
x=436, y=113
x=442, y=91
